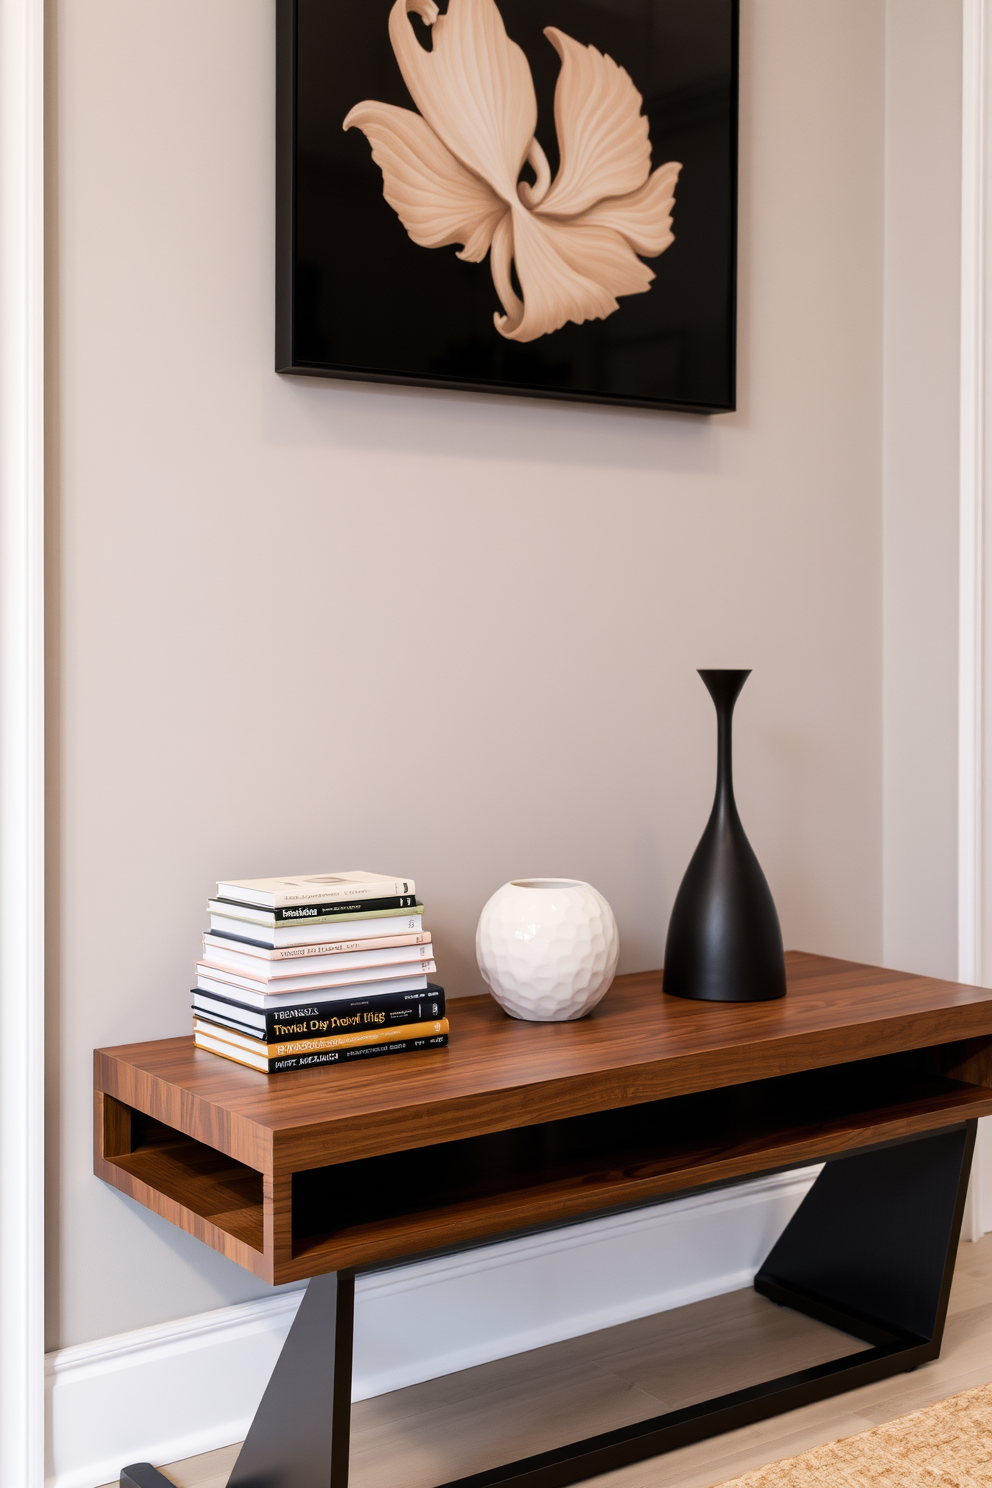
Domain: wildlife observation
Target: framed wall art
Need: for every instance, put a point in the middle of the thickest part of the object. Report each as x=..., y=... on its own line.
x=513, y=196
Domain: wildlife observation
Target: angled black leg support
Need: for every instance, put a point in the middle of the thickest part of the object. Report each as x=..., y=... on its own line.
x=871, y=1248
x=300, y=1436
x=143, y=1475
x=870, y=1251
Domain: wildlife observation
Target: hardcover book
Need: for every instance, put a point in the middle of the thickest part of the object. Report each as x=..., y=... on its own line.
x=288, y=985
x=313, y=888
x=232, y=924
x=347, y=1040
x=230, y=987
x=387, y=1010
x=254, y=953
x=323, y=1056
x=303, y=972
x=308, y=913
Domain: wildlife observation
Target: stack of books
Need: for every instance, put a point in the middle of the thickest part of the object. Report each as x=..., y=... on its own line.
x=320, y=969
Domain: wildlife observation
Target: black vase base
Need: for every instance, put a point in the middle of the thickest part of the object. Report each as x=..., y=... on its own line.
x=725, y=996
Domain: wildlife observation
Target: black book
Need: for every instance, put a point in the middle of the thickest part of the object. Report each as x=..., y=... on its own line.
x=297, y=914
x=319, y=1019
x=310, y=1061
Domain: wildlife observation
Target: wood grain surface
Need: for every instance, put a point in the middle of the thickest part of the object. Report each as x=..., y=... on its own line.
x=638, y=1045
x=226, y=1152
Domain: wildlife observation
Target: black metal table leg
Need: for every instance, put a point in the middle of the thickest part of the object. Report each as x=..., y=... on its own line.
x=884, y=1224
x=143, y=1475
x=871, y=1248
x=300, y=1436
x=870, y=1251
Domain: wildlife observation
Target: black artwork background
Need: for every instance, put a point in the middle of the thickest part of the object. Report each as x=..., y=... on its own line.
x=368, y=300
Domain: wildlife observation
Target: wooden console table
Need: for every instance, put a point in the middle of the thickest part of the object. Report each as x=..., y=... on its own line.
x=520, y=1126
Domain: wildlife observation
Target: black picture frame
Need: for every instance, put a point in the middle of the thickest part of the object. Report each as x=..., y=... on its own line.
x=357, y=299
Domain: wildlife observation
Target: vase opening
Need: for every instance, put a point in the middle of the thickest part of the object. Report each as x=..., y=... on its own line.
x=547, y=883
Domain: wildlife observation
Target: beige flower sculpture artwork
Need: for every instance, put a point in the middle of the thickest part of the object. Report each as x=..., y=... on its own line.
x=452, y=171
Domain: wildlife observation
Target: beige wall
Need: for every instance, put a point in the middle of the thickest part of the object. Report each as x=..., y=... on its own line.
x=920, y=504
x=522, y=590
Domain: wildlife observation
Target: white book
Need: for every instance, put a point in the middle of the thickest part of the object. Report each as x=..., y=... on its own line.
x=313, y=888
x=223, y=988
x=277, y=937
x=305, y=984
x=384, y=979
x=257, y=953
x=313, y=971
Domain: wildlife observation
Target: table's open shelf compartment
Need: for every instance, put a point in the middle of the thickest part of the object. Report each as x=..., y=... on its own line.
x=380, y=1208
x=402, y=1202
x=219, y=1189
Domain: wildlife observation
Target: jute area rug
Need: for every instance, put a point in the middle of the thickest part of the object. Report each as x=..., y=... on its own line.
x=948, y=1445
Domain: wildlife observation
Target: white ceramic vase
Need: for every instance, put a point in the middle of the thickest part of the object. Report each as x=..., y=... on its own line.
x=547, y=948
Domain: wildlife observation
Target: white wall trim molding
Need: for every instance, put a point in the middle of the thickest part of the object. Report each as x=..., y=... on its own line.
x=974, y=270
x=163, y=1393
x=21, y=741
x=972, y=577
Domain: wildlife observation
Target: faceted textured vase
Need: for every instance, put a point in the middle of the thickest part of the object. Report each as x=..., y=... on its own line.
x=547, y=948
x=724, y=941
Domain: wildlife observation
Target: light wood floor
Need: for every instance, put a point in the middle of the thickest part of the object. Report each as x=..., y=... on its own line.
x=464, y=1422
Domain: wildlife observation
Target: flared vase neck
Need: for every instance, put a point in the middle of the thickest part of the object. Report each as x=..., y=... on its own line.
x=724, y=798
x=724, y=688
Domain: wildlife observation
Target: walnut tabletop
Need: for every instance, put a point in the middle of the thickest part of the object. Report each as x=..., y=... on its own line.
x=522, y=1124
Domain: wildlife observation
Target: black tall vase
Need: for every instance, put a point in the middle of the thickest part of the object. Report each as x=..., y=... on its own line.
x=724, y=941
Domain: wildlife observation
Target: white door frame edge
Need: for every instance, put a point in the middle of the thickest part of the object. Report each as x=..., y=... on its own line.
x=974, y=270
x=975, y=278
x=22, y=264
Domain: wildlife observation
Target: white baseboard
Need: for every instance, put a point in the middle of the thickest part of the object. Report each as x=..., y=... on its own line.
x=164, y=1393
